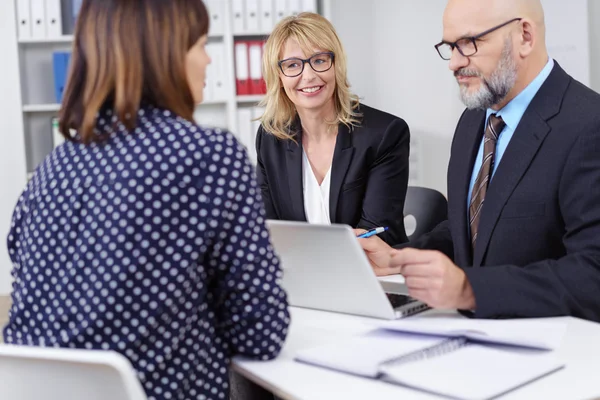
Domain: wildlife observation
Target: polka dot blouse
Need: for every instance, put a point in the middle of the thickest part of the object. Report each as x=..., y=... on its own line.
x=152, y=244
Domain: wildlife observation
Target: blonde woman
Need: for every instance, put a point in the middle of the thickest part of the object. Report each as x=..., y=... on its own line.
x=323, y=157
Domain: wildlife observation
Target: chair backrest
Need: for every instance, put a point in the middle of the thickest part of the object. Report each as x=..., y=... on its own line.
x=35, y=373
x=424, y=209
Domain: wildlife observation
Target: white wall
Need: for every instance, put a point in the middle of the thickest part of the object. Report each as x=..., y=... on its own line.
x=12, y=150
x=394, y=66
x=594, y=26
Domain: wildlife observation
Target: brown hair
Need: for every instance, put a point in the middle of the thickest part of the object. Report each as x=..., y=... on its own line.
x=126, y=52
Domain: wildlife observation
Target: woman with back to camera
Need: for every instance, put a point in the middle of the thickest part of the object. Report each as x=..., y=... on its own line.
x=323, y=157
x=145, y=233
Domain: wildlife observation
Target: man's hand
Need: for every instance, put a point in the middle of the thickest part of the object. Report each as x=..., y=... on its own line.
x=433, y=278
x=379, y=254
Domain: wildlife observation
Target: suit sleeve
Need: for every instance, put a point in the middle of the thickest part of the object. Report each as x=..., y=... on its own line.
x=261, y=176
x=565, y=286
x=383, y=204
x=439, y=239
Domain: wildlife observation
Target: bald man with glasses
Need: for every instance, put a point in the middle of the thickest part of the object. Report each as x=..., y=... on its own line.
x=522, y=237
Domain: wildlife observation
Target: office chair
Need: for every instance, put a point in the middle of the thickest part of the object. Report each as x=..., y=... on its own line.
x=36, y=373
x=424, y=209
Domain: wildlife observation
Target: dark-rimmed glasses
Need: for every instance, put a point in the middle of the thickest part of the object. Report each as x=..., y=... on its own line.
x=467, y=46
x=319, y=62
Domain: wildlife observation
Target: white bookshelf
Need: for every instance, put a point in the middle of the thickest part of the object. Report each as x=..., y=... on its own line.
x=38, y=102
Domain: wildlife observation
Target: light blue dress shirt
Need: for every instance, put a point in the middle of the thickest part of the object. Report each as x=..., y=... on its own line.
x=511, y=114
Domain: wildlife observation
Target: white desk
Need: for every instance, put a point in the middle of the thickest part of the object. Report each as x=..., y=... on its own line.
x=288, y=379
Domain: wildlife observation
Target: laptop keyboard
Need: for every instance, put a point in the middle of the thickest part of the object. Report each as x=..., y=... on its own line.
x=399, y=300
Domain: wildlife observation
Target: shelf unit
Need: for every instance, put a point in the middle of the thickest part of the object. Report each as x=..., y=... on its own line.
x=39, y=105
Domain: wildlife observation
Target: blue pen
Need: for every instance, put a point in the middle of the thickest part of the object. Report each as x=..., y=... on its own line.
x=371, y=232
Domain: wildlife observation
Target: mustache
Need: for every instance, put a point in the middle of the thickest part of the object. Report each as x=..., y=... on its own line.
x=466, y=72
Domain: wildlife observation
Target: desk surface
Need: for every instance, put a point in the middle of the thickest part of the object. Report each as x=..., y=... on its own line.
x=580, y=350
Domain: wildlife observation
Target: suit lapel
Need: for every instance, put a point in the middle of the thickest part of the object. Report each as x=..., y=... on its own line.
x=458, y=185
x=293, y=161
x=342, y=156
x=524, y=145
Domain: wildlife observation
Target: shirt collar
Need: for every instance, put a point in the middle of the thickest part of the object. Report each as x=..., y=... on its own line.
x=512, y=112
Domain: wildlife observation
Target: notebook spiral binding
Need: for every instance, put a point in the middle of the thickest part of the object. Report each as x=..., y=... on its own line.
x=447, y=346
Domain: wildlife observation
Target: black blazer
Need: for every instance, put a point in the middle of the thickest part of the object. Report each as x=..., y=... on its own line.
x=369, y=174
x=538, y=249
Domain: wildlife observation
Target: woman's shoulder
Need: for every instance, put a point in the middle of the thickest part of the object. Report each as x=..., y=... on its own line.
x=372, y=115
x=189, y=141
x=375, y=125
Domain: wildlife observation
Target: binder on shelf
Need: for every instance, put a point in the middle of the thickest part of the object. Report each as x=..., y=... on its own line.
x=242, y=80
x=251, y=16
x=237, y=10
x=209, y=80
x=266, y=20
x=220, y=89
x=216, y=10
x=24, y=19
x=54, y=18
x=38, y=19
x=309, y=6
x=60, y=63
x=294, y=7
x=280, y=10
x=257, y=83
x=244, y=133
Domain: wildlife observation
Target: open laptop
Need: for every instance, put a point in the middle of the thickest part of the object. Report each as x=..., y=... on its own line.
x=325, y=268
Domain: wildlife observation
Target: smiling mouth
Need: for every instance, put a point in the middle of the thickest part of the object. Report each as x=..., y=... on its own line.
x=312, y=89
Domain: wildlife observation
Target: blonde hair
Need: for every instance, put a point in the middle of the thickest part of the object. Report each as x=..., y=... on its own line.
x=311, y=31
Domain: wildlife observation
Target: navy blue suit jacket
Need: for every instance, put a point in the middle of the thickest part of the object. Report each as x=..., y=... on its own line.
x=538, y=249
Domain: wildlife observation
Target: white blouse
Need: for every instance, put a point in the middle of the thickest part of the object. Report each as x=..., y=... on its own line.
x=316, y=198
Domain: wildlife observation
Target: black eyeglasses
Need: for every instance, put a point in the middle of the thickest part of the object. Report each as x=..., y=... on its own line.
x=466, y=46
x=319, y=62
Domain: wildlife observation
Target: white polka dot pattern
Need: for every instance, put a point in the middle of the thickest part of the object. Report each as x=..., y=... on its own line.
x=152, y=244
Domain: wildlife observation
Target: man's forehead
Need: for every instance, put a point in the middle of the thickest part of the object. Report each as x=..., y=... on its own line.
x=464, y=24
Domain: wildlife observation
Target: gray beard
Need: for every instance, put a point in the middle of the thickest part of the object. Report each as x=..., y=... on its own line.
x=494, y=89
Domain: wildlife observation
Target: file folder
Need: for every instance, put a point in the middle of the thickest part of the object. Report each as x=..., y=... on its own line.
x=244, y=122
x=216, y=10
x=54, y=18
x=237, y=10
x=257, y=84
x=294, y=7
x=280, y=10
x=251, y=16
x=242, y=80
x=60, y=63
x=266, y=20
x=38, y=18
x=24, y=19
x=219, y=79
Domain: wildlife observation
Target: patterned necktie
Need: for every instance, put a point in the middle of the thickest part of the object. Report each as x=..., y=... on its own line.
x=492, y=131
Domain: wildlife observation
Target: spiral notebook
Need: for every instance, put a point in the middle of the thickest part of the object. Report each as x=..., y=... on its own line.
x=451, y=367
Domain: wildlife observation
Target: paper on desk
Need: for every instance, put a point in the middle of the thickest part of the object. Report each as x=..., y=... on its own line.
x=474, y=372
x=540, y=333
x=363, y=354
